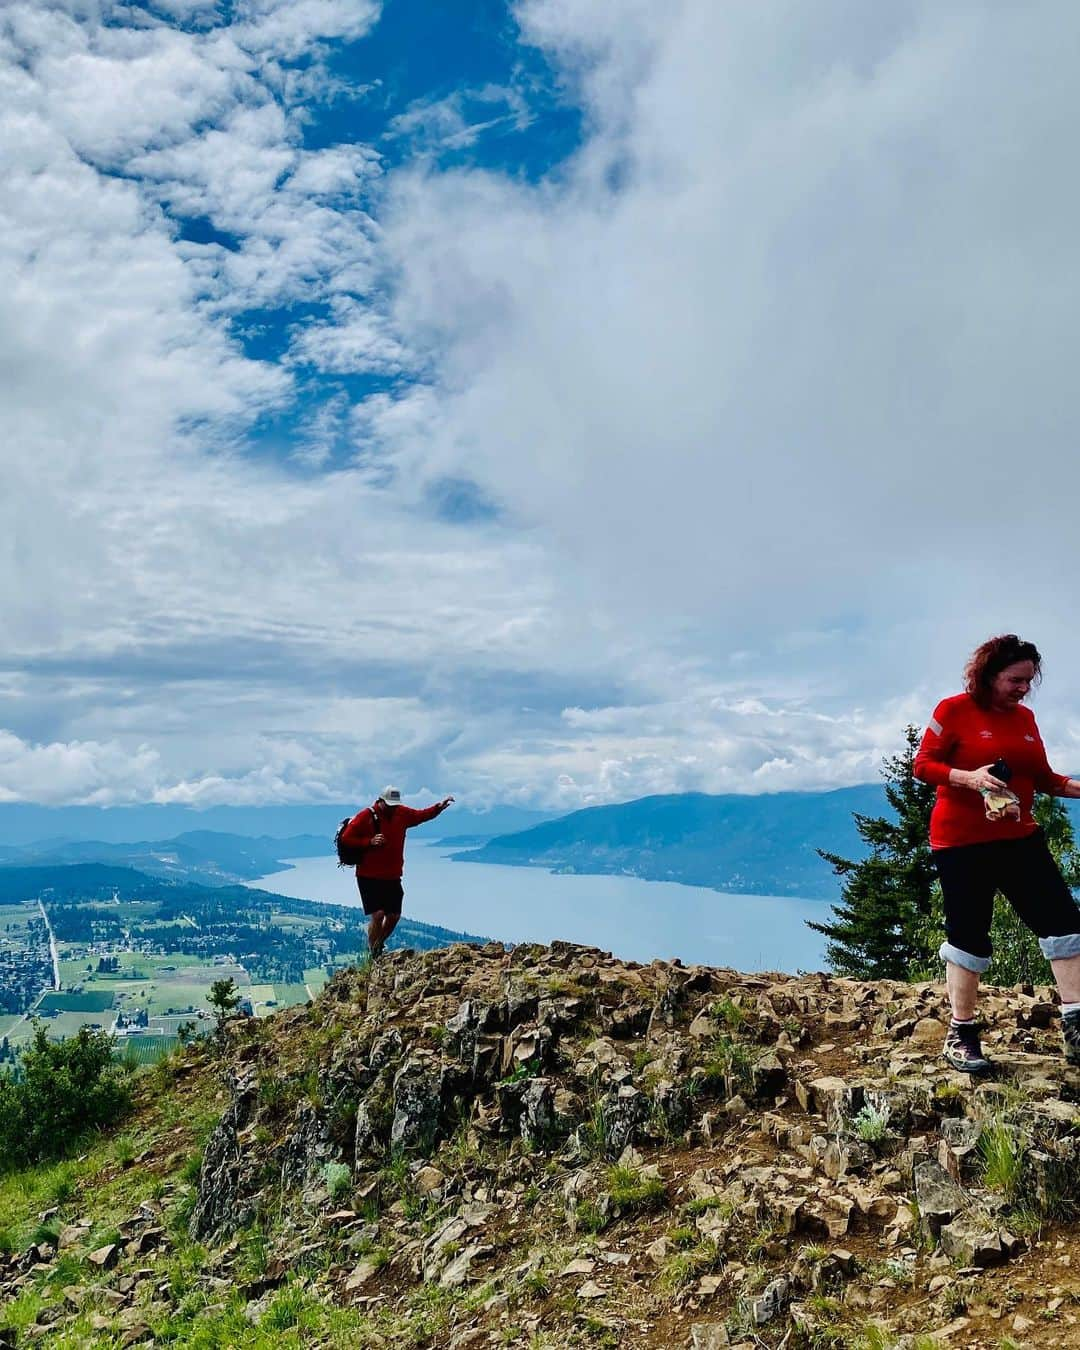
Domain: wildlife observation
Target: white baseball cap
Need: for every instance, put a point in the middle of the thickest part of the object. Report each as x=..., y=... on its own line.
x=391, y=796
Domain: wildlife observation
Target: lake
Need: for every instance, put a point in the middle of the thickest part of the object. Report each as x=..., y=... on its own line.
x=636, y=920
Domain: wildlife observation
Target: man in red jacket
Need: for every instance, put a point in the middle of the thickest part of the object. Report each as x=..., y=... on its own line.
x=380, y=831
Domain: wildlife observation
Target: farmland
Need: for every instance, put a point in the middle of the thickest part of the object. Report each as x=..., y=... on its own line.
x=138, y=955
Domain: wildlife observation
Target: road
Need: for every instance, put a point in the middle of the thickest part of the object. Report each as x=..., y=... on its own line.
x=52, y=948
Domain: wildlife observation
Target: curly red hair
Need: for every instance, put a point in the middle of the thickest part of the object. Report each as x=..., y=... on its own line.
x=991, y=658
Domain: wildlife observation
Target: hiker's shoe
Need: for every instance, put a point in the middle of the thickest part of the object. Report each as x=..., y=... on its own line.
x=375, y=949
x=1070, y=1034
x=963, y=1051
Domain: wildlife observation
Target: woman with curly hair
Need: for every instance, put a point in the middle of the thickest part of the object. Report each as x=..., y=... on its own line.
x=983, y=752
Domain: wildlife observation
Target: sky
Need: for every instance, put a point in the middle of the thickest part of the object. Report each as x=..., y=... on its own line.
x=549, y=402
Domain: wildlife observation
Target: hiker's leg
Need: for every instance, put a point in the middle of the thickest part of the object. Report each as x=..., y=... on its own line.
x=968, y=882
x=963, y=987
x=1067, y=974
x=389, y=923
x=1043, y=902
x=374, y=932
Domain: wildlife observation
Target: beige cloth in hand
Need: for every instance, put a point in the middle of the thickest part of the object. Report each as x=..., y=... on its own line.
x=1001, y=804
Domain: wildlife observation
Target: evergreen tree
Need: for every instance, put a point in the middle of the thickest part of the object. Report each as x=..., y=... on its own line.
x=224, y=998
x=879, y=928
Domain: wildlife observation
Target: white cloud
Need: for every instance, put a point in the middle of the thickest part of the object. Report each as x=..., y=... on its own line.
x=788, y=348
x=79, y=771
x=770, y=386
x=452, y=123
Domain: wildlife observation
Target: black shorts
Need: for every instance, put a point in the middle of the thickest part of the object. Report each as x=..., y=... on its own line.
x=1025, y=872
x=377, y=894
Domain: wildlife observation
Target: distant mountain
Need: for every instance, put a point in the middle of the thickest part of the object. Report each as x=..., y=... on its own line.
x=203, y=856
x=26, y=823
x=763, y=845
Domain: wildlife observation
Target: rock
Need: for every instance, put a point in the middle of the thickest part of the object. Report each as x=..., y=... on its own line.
x=702, y=1027
x=416, y=1107
x=771, y=1303
x=429, y=1180
x=456, y=1271
x=659, y=1251
x=146, y=1241
x=360, y=1275
x=538, y=1115
x=308, y=1146
x=834, y=1098
x=928, y=1031
x=768, y=1075
x=971, y=1240
x=581, y=1265
x=940, y=1198
x=624, y=1117
x=590, y=1289
x=227, y=1180
x=104, y=1257
x=958, y=1151
x=71, y=1234
x=708, y=1336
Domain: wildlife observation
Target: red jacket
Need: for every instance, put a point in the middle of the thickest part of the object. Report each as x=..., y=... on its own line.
x=387, y=861
x=961, y=735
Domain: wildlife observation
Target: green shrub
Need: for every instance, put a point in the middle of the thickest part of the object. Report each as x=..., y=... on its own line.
x=1002, y=1152
x=633, y=1193
x=589, y=1217
x=338, y=1179
x=728, y=1012
x=871, y=1124
x=66, y=1089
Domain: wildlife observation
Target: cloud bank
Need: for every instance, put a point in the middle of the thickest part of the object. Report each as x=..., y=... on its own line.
x=696, y=462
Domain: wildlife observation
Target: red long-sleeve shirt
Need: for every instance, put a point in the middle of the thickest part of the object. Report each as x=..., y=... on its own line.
x=387, y=861
x=961, y=735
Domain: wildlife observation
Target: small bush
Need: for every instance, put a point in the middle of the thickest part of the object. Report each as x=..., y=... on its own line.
x=729, y=1013
x=67, y=1089
x=338, y=1179
x=285, y=1309
x=1002, y=1152
x=633, y=1193
x=589, y=1217
x=685, y=1267
x=726, y=1062
x=705, y=1203
x=871, y=1124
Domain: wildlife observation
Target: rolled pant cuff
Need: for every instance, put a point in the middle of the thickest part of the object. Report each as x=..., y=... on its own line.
x=1060, y=948
x=977, y=964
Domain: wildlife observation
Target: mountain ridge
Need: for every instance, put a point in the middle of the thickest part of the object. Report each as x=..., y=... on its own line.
x=764, y=845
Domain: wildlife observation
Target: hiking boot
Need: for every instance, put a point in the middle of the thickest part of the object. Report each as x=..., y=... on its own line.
x=1070, y=1034
x=375, y=949
x=962, y=1049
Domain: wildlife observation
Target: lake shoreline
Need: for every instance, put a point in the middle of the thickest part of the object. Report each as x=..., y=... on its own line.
x=632, y=918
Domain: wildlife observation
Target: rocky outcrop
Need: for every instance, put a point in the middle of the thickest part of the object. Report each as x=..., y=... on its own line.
x=655, y=1155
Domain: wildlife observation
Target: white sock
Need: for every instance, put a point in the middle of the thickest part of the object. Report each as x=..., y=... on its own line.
x=962, y=1021
x=1069, y=1007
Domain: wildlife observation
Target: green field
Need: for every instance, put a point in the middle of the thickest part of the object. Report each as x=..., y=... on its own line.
x=289, y=994
x=89, y=1000
x=66, y=1024
x=316, y=978
x=18, y=916
x=145, y=1049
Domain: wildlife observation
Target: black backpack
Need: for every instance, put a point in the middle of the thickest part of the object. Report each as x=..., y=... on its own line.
x=349, y=855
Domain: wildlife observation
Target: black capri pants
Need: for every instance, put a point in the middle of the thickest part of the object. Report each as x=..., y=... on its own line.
x=1025, y=872
x=377, y=893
